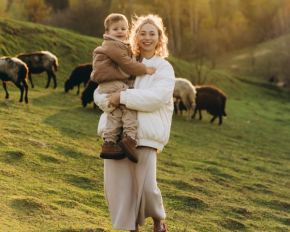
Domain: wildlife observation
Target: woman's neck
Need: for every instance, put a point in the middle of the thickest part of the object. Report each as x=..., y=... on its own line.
x=146, y=55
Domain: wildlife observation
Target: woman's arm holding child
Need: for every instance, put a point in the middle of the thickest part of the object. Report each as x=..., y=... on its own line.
x=149, y=99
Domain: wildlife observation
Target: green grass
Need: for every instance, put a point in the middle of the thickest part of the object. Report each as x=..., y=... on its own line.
x=233, y=177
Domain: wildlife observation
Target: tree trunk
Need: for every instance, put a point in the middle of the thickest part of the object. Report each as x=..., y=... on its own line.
x=171, y=41
x=177, y=31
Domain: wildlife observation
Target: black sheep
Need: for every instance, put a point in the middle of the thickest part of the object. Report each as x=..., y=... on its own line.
x=39, y=62
x=88, y=93
x=179, y=104
x=211, y=99
x=15, y=71
x=80, y=74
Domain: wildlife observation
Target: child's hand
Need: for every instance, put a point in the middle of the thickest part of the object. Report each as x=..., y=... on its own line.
x=150, y=70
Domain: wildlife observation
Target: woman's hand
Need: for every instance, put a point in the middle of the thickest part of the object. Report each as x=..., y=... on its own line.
x=114, y=98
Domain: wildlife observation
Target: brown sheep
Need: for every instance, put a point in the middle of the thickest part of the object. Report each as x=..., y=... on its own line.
x=211, y=99
x=184, y=91
x=80, y=74
x=15, y=71
x=39, y=62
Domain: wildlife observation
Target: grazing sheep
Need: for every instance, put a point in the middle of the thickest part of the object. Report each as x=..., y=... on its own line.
x=178, y=105
x=39, y=62
x=80, y=74
x=185, y=92
x=16, y=71
x=211, y=99
x=88, y=93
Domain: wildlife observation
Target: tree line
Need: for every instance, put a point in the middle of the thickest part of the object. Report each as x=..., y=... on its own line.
x=199, y=30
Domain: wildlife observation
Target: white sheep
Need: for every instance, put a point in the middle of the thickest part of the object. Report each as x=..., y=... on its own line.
x=185, y=92
x=15, y=71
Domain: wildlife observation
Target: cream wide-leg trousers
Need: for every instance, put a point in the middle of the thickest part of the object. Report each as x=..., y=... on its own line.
x=131, y=190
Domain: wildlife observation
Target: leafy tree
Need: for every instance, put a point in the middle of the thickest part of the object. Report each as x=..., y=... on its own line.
x=86, y=17
x=9, y=3
x=57, y=4
x=36, y=10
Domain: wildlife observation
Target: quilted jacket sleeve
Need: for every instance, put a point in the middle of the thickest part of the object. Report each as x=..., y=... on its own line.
x=157, y=95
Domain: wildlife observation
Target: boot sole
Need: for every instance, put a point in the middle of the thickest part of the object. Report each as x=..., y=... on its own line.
x=110, y=156
x=128, y=153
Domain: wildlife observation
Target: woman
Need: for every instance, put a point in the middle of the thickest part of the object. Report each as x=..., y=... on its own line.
x=131, y=189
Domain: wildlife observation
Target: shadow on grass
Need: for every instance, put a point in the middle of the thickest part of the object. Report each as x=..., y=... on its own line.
x=260, y=188
x=75, y=122
x=84, y=182
x=184, y=186
x=59, y=98
x=217, y=172
x=50, y=159
x=274, y=204
x=31, y=205
x=67, y=151
x=232, y=224
x=186, y=203
x=51, y=99
x=85, y=230
x=12, y=156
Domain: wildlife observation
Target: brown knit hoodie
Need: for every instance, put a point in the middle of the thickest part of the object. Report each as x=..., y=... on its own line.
x=112, y=61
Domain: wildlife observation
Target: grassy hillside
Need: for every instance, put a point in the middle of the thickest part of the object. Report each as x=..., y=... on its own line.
x=233, y=177
x=270, y=58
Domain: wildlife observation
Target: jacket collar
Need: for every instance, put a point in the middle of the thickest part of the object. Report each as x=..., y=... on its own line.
x=108, y=37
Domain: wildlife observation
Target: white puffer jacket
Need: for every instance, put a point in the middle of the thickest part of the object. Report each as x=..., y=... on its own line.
x=152, y=98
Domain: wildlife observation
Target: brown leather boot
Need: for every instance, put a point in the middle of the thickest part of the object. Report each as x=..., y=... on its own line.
x=128, y=145
x=111, y=151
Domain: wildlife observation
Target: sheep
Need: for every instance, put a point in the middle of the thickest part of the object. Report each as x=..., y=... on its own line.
x=80, y=73
x=39, y=62
x=16, y=71
x=179, y=106
x=186, y=92
x=88, y=93
x=211, y=99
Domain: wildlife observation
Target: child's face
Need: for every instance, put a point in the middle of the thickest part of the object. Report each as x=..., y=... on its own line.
x=118, y=30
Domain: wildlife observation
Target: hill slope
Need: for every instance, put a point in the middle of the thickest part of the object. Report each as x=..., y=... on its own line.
x=213, y=178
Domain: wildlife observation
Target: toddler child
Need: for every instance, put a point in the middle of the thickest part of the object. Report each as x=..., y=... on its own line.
x=112, y=66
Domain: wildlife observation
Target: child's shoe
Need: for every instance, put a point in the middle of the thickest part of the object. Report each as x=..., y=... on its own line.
x=111, y=151
x=128, y=144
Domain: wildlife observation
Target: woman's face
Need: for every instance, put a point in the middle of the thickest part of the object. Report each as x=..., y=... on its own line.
x=148, y=38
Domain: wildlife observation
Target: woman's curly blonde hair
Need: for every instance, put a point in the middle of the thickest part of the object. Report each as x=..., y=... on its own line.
x=161, y=49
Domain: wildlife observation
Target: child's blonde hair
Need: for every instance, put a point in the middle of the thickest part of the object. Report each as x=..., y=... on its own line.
x=161, y=49
x=113, y=18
